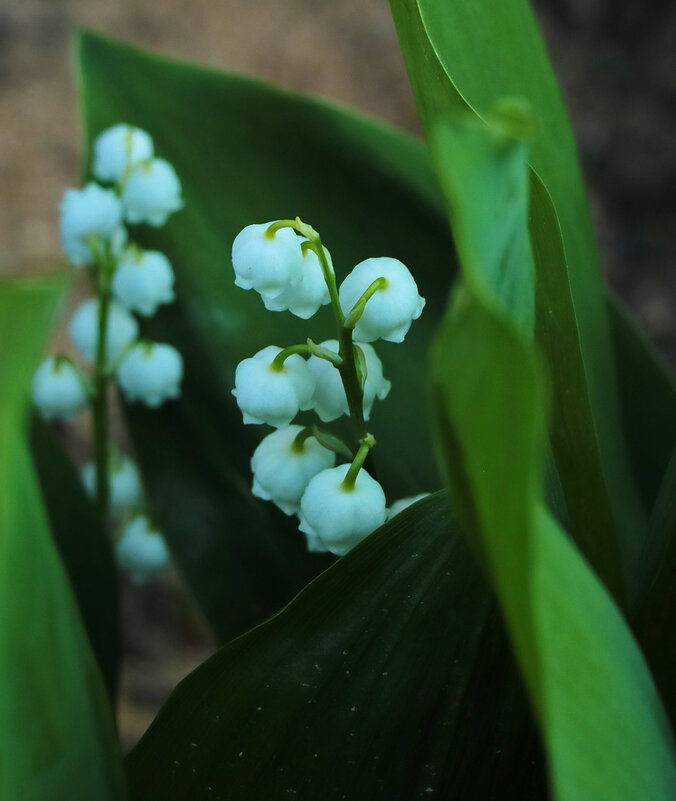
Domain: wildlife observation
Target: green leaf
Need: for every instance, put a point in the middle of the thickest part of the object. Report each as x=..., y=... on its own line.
x=248, y=153
x=656, y=616
x=465, y=55
x=57, y=735
x=604, y=730
x=386, y=678
x=84, y=547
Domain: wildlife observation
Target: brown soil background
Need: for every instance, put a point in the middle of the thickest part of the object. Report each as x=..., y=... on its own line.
x=617, y=65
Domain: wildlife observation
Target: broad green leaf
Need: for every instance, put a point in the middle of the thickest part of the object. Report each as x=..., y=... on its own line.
x=386, y=678
x=249, y=153
x=465, y=55
x=84, y=547
x=602, y=724
x=57, y=736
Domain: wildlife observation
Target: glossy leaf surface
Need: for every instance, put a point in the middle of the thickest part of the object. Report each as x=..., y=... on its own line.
x=603, y=726
x=386, y=678
x=465, y=56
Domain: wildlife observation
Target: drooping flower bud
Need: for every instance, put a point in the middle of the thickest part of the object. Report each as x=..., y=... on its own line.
x=92, y=212
x=282, y=467
x=142, y=550
x=330, y=401
x=337, y=517
x=270, y=264
x=118, y=149
x=389, y=312
x=58, y=390
x=404, y=503
x=268, y=395
x=151, y=193
x=304, y=298
x=121, y=330
x=125, y=490
x=151, y=372
x=143, y=280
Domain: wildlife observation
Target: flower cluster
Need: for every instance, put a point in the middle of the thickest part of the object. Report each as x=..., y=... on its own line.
x=295, y=466
x=134, y=187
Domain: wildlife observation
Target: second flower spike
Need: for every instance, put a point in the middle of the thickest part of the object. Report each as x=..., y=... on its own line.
x=122, y=330
x=144, y=280
x=151, y=372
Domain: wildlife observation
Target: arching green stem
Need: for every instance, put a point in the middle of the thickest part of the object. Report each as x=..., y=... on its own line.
x=351, y=476
x=298, y=444
x=283, y=355
x=358, y=309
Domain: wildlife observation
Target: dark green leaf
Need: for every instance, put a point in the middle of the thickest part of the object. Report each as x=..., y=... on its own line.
x=57, y=736
x=386, y=678
x=656, y=616
x=602, y=723
x=84, y=547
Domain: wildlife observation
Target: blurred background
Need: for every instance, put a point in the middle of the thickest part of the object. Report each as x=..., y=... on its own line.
x=616, y=62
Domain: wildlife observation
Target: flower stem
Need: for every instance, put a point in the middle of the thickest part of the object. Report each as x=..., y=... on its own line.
x=351, y=384
x=100, y=413
x=358, y=308
x=351, y=476
x=283, y=355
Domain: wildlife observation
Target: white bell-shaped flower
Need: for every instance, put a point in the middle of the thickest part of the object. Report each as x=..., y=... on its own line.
x=143, y=280
x=267, y=395
x=124, y=480
x=151, y=372
x=304, y=298
x=118, y=149
x=282, y=467
x=330, y=401
x=58, y=390
x=122, y=330
x=142, y=550
x=268, y=264
x=337, y=517
x=92, y=212
x=389, y=313
x=151, y=193
x=404, y=503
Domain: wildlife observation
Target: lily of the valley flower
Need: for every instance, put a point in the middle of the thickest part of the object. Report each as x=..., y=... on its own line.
x=121, y=330
x=283, y=465
x=268, y=263
x=142, y=550
x=118, y=149
x=151, y=372
x=330, y=401
x=125, y=490
x=88, y=214
x=151, y=193
x=267, y=394
x=338, y=517
x=143, y=280
x=304, y=298
x=390, y=311
x=58, y=390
